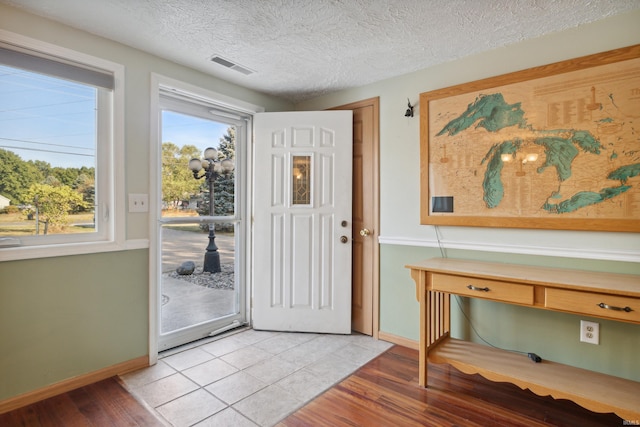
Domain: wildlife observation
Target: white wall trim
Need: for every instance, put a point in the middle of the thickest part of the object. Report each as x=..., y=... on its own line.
x=591, y=253
x=136, y=244
x=209, y=96
x=68, y=249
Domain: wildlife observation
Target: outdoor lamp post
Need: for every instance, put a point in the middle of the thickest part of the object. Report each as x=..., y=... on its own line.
x=213, y=168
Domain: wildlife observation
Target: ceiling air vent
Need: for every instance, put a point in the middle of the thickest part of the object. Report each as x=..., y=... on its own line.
x=232, y=65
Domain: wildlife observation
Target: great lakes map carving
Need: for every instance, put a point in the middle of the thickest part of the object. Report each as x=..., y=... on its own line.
x=553, y=147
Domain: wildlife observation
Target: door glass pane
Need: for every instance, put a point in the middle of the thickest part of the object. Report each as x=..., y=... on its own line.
x=301, y=179
x=186, y=137
x=191, y=296
x=200, y=289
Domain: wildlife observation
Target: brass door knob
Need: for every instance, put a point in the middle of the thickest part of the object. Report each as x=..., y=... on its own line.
x=365, y=232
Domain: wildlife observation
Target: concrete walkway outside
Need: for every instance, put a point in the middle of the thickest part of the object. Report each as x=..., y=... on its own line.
x=183, y=303
x=179, y=246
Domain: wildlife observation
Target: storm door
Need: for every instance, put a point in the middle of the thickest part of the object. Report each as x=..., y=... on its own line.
x=200, y=225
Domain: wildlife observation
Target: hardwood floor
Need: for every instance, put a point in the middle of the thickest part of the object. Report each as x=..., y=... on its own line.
x=385, y=392
x=105, y=403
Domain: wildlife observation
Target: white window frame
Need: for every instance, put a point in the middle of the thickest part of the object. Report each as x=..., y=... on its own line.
x=110, y=211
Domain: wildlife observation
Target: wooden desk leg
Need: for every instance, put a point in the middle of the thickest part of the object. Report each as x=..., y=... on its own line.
x=434, y=320
x=425, y=334
x=423, y=297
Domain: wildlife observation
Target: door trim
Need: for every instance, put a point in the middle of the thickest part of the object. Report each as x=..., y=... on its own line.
x=375, y=103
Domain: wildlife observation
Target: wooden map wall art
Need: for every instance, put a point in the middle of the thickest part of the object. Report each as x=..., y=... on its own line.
x=554, y=147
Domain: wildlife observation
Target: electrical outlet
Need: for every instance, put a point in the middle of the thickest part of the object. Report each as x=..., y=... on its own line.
x=138, y=203
x=590, y=332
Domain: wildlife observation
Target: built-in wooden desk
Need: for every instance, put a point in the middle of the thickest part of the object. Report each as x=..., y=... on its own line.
x=603, y=295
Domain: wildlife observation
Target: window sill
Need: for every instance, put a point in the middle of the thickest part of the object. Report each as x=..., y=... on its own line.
x=48, y=251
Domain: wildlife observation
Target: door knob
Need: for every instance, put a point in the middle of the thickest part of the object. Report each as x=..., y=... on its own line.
x=344, y=239
x=365, y=232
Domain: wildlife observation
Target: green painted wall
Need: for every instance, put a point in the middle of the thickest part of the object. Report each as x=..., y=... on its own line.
x=403, y=239
x=66, y=316
x=63, y=317
x=553, y=336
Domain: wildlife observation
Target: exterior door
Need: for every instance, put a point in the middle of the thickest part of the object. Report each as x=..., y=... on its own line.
x=302, y=221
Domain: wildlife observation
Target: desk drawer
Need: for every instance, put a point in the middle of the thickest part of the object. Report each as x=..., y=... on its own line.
x=481, y=288
x=601, y=305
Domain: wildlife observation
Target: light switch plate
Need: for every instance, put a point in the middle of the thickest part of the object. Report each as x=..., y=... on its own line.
x=138, y=202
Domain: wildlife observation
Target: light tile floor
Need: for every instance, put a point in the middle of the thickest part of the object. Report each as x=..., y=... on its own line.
x=248, y=378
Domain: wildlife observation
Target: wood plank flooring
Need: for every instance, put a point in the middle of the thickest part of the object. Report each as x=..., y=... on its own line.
x=385, y=392
x=105, y=403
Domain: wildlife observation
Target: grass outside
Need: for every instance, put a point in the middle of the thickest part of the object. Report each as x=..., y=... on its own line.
x=181, y=213
x=16, y=224
x=173, y=213
x=186, y=213
x=194, y=228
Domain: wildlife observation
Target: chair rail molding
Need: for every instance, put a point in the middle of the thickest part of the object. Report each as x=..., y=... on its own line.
x=568, y=252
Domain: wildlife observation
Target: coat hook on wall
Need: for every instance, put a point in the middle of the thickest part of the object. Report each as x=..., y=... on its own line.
x=409, y=112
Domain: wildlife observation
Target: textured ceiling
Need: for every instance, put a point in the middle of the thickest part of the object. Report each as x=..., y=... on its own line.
x=299, y=49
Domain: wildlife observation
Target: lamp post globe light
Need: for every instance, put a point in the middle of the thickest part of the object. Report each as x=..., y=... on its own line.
x=212, y=168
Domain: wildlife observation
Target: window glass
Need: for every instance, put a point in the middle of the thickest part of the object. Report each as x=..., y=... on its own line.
x=301, y=180
x=55, y=134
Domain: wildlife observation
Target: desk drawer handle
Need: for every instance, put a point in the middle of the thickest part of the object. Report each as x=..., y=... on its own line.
x=613, y=307
x=475, y=288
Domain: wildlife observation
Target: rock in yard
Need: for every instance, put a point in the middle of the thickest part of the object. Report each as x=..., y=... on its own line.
x=186, y=268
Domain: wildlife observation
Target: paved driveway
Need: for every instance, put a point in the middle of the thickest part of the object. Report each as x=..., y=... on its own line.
x=184, y=303
x=179, y=246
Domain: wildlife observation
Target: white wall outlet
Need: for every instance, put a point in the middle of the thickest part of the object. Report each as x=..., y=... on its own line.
x=590, y=332
x=138, y=202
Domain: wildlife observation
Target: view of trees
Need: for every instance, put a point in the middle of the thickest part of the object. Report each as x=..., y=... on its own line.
x=177, y=180
x=179, y=186
x=53, y=204
x=51, y=193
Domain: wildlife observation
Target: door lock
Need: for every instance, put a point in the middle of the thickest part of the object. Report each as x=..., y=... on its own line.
x=365, y=232
x=344, y=239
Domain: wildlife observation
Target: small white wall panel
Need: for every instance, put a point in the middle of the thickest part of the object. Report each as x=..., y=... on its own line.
x=278, y=181
x=327, y=186
x=302, y=260
x=327, y=138
x=302, y=137
x=278, y=138
x=327, y=252
x=278, y=260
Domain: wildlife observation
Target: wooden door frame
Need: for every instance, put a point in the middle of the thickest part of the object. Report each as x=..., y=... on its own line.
x=375, y=103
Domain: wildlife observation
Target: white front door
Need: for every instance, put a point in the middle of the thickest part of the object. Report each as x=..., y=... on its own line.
x=302, y=221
